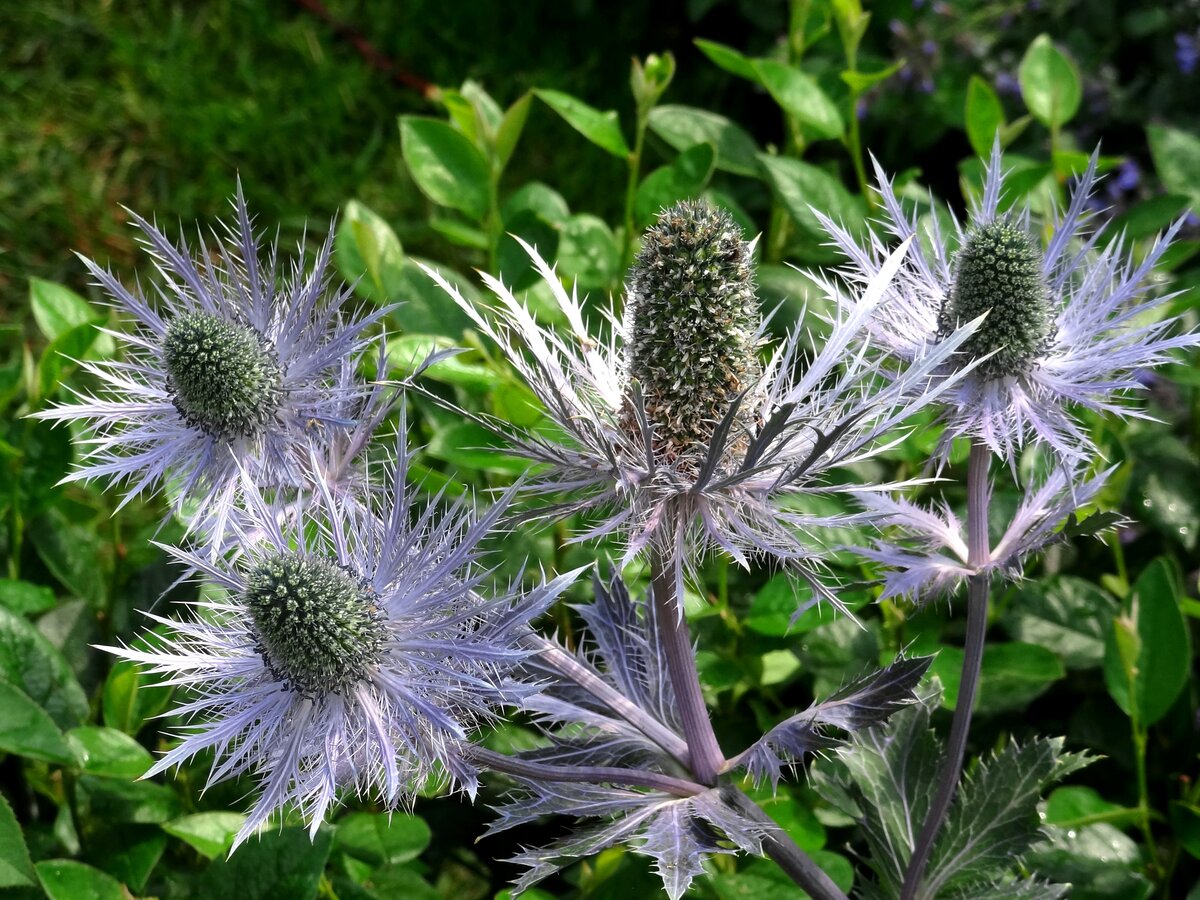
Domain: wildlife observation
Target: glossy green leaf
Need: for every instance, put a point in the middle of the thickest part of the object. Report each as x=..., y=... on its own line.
x=685, y=178
x=277, y=865
x=727, y=58
x=427, y=309
x=24, y=598
x=29, y=661
x=1148, y=654
x=588, y=252
x=1185, y=825
x=1176, y=156
x=58, y=359
x=129, y=853
x=26, y=729
x=984, y=115
x=801, y=97
x=210, y=834
x=602, y=128
x=73, y=554
x=65, y=879
x=802, y=186
x=685, y=126
x=136, y=802
x=407, y=352
x=382, y=839
x=368, y=253
x=16, y=868
x=131, y=697
x=446, y=166
x=1076, y=806
x=510, y=128
x=57, y=309
x=1066, y=615
x=1050, y=83
x=1013, y=675
x=108, y=752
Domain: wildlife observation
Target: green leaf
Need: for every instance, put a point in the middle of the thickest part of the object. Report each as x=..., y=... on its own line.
x=58, y=359
x=138, y=802
x=602, y=128
x=510, y=128
x=26, y=730
x=108, y=752
x=130, y=698
x=588, y=252
x=280, y=865
x=727, y=58
x=129, y=853
x=210, y=834
x=1050, y=83
x=1013, y=675
x=1185, y=824
x=1176, y=155
x=427, y=309
x=994, y=818
x=1098, y=860
x=984, y=116
x=25, y=599
x=65, y=879
x=801, y=97
x=861, y=82
x=1076, y=806
x=1148, y=652
x=44, y=457
x=685, y=126
x=389, y=882
x=684, y=179
x=16, y=869
x=29, y=661
x=382, y=839
x=446, y=166
x=407, y=352
x=57, y=309
x=800, y=185
x=1069, y=616
x=72, y=553
x=473, y=447
x=368, y=253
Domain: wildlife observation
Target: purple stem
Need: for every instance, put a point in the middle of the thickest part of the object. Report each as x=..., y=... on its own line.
x=704, y=752
x=978, y=555
x=536, y=771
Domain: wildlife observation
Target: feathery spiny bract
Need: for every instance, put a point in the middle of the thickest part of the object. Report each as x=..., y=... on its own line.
x=692, y=324
x=998, y=274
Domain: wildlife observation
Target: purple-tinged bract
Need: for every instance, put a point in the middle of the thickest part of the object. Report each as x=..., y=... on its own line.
x=352, y=648
x=1071, y=321
x=233, y=366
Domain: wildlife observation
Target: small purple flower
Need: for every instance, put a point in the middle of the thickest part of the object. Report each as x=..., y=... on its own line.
x=1187, y=51
x=1127, y=178
x=1073, y=323
x=233, y=367
x=1007, y=83
x=350, y=649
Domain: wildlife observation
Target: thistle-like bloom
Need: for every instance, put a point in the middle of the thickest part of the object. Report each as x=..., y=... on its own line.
x=673, y=426
x=353, y=650
x=233, y=367
x=927, y=554
x=1070, y=322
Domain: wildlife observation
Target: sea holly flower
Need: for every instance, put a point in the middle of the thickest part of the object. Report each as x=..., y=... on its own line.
x=353, y=649
x=675, y=427
x=1070, y=322
x=927, y=555
x=235, y=366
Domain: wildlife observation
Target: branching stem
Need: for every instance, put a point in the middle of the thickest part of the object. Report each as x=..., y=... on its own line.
x=979, y=552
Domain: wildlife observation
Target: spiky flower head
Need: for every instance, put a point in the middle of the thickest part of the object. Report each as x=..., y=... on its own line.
x=348, y=648
x=753, y=438
x=692, y=326
x=1070, y=322
x=235, y=363
x=998, y=275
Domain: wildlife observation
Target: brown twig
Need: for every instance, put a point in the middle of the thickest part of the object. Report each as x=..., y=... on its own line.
x=368, y=51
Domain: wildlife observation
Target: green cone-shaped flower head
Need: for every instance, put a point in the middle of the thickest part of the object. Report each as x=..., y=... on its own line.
x=691, y=325
x=222, y=375
x=319, y=627
x=998, y=271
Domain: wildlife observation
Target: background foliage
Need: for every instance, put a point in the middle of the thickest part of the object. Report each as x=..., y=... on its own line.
x=535, y=131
